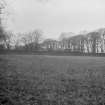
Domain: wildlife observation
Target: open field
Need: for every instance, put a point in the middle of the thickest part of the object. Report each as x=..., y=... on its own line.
x=53, y=80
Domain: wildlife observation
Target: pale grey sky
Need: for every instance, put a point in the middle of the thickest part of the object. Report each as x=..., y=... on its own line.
x=56, y=16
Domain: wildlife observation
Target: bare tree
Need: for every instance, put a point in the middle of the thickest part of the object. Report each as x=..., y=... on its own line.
x=37, y=36
x=8, y=39
x=2, y=7
x=94, y=37
x=32, y=40
x=103, y=42
x=74, y=43
x=86, y=43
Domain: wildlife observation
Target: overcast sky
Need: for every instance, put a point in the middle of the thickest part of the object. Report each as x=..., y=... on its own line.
x=56, y=16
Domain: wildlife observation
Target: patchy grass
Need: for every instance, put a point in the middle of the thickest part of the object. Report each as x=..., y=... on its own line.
x=52, y=80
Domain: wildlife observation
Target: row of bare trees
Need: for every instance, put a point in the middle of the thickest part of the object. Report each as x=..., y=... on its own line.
x=83, y=43
x=24, y=41
x=91, y=42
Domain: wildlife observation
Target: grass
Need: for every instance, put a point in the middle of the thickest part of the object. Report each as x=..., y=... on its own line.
x=52, y=80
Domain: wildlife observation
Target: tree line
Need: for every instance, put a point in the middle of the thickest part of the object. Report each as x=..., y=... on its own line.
x=91, y=42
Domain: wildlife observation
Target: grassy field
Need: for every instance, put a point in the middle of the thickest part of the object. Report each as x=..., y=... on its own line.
x=52, y=80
